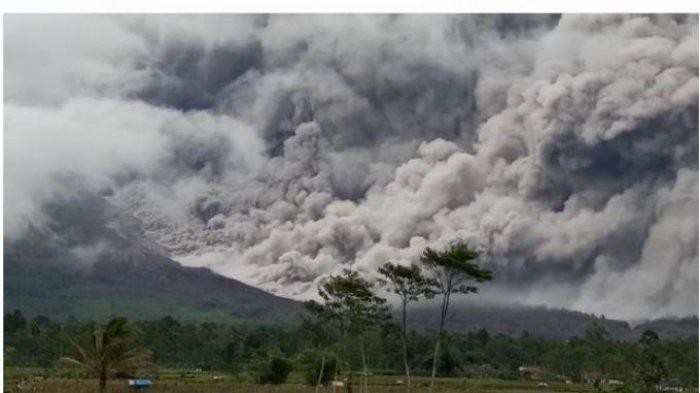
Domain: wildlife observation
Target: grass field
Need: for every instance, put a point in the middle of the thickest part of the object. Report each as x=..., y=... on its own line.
x=180, y=381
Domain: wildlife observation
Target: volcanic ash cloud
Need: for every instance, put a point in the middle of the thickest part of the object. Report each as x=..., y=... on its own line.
x=280, y=149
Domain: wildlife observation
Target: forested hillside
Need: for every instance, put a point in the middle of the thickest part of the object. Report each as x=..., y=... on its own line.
x=230, y=348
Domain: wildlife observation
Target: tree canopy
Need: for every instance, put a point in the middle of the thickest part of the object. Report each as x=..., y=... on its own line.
x=110, y=350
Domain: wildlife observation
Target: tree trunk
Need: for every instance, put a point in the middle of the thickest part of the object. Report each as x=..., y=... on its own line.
x=405, y=351
x=340, y=362
x=443, y=314
x=320, y=374
x=364, y=365
x=435, y=357
x=103, y=381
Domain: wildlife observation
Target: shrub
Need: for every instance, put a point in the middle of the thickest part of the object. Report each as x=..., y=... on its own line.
x=310, y=363
x=270, y=367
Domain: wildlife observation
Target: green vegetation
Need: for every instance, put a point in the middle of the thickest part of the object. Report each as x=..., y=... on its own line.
x=44, y=286
x=318, y=368
x=410, y=285
x=270, y=367
x=452, y=270
x=355, y=309
x=109, y=351
x=226, y=349
x=349, y=331
x=179, y=381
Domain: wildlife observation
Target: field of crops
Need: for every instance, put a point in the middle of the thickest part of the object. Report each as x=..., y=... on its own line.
x=180, y=381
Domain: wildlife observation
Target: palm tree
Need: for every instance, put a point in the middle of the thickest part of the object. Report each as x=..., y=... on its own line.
x=110, y=350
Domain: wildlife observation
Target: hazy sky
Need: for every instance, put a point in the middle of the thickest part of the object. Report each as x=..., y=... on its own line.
x=280, y=149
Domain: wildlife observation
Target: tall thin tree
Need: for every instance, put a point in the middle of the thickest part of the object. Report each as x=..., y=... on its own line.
x=350, y=299
x=319, y=326
x=452, y=269
x=410, y=285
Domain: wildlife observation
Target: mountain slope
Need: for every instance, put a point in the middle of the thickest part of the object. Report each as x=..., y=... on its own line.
x=147, y=286
x=88, y=260
x=135, y=284
x=91, y=262
x=543, y=322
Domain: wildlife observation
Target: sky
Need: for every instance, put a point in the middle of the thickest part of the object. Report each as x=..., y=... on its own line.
x=279, y=149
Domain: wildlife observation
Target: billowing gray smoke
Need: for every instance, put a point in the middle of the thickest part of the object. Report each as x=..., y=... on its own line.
x=279, y=149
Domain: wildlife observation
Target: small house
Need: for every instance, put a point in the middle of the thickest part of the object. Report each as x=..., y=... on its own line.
x=532, y=372
x=592, y=377
x=670, y=385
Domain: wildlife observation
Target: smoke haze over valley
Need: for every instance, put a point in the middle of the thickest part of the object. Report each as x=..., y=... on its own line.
x=279, y=149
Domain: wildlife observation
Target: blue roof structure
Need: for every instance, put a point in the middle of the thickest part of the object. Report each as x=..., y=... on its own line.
x=139, y=384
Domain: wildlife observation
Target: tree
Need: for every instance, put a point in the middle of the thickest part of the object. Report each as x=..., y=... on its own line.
x=270, y=367
x=598, y=345
x=349, y=299
x=452, y=269
x=483, y=336
x=8, y=358
x=14, y=322
x=409, y=284
x=110, y=351
x=648, y=338
x=651, y=370
x=318, y=325
x=318, y=368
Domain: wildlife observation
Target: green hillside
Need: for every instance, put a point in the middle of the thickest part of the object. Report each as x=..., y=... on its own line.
x=140, y=286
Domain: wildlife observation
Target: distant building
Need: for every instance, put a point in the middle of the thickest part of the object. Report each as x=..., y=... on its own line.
x=671, y=385
x=592, y=377
x=140, y=384
x=533, y=372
